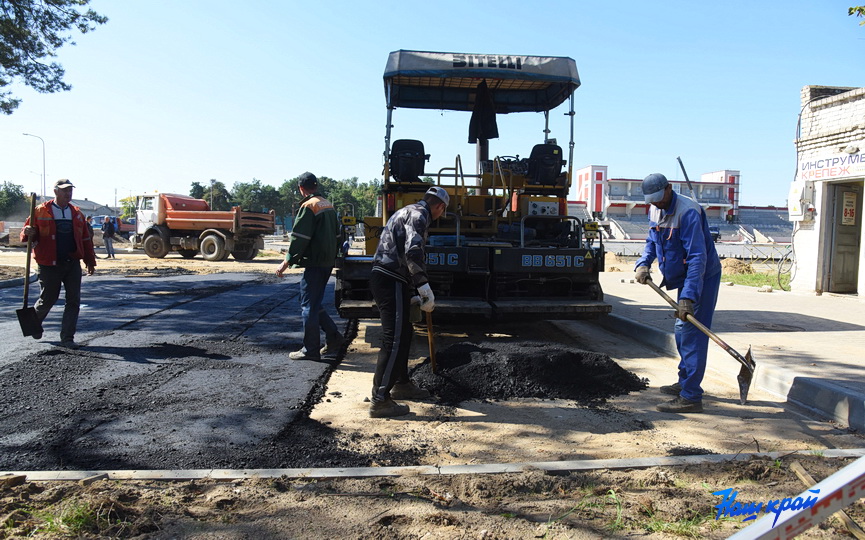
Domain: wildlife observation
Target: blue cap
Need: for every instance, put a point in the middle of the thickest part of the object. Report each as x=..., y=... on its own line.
x=654, y=186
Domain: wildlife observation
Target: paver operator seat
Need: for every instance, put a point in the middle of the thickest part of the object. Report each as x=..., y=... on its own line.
x=545, y=164
x=407, y=160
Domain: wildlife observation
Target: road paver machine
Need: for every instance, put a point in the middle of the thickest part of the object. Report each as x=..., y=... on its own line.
x=505, y=248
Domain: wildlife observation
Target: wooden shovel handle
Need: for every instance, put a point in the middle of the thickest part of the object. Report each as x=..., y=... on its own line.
x=29, y=250
x=431, y=339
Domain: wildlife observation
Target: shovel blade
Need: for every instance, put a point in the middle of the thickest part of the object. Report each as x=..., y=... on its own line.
x=29, y=321
x=746, y=374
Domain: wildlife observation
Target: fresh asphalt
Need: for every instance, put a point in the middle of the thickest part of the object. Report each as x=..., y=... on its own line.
x=190, y=363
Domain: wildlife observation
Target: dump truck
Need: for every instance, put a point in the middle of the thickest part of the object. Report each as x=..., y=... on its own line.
x=167, y=222
x=506, y=247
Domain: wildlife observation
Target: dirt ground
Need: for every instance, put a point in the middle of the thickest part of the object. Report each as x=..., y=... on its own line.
x=603, y=412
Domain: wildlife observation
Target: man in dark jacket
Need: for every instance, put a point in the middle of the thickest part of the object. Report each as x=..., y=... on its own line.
x=314, y=244
x=399, y=268
x=108, y=237
x=62, y=239
x=679, y=239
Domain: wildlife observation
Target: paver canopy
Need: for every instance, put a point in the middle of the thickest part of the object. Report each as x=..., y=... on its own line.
x=449, y=81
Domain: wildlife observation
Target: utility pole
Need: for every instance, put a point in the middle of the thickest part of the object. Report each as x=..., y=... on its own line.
x=43, y=160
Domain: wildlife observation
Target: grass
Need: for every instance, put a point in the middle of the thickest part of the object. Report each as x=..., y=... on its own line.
x=78, y=518
x=689, y=528
x=758, y=280
x=618, y=523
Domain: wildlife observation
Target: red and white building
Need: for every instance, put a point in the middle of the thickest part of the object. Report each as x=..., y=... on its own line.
x=618, y=204
x=607, y=197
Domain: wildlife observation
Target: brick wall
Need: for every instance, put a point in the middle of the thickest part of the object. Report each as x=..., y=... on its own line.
x=831, y=116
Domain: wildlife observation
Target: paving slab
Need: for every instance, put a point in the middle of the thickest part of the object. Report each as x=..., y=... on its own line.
x=808, y=348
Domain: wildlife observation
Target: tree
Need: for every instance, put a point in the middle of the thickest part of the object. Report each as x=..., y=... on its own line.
x=196, y=191
x=859, y=11
x=32, y=31
x=213, y=191
x=128, y=205
x=250, y=195
x=290, y=199
x=12, y=199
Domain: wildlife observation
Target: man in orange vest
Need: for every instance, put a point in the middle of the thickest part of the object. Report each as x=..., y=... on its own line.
x=62, y=239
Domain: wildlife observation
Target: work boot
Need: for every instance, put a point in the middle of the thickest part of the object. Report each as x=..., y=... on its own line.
x=387, y=409
x=681, y=405
x=302, y=355
x=673, y=389
x=408, y=390
x=333, y=345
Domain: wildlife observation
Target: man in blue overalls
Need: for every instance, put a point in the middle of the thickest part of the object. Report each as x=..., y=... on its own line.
x=680, y=241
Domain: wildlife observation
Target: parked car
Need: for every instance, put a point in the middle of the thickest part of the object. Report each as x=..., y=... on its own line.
x=715, y=232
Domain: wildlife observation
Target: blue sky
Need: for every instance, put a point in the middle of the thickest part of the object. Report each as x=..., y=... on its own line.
x=171, y=92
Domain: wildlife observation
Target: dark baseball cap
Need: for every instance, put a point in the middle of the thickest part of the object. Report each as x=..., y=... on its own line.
x=63, y=184
x=308, y=180
x=654, y=186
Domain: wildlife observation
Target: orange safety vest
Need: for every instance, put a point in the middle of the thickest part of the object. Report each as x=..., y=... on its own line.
x=45, y=241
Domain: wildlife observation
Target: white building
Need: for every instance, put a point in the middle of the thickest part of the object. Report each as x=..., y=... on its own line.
x=825, y=200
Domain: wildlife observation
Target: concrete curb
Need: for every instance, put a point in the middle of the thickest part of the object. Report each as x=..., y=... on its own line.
x=825, y=399
x=423, y=470
x=17, y=282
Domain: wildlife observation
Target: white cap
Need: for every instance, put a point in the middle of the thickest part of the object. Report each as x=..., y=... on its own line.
x=439, y=192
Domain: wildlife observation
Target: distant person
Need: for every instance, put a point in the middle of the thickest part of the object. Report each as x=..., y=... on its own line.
x=89, y=220
x=108, y=231
x=679, y=239
x=313, y=247
x=398, y=270
x=61, y=239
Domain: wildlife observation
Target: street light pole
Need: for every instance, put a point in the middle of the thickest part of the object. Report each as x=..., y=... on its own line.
x=43, y=160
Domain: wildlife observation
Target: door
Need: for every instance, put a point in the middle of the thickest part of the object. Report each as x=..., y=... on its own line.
x=846, y=237
x=146, y=212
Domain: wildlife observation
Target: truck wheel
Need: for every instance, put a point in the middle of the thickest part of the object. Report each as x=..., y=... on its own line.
x=213, y=248
x=155, y=247
x=188, y=253
x=245, y=254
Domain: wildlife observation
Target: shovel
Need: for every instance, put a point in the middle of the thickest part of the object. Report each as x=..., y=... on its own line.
x=746, y=373
x=27, y=318
x=431, y=339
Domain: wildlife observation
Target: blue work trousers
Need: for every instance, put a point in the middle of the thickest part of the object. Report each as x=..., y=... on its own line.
x=315, y=318
x=693, y=344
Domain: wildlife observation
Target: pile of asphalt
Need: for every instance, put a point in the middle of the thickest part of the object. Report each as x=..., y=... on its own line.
x=504, y=369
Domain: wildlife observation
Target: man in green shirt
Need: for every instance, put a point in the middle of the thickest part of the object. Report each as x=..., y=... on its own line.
x=314, y=244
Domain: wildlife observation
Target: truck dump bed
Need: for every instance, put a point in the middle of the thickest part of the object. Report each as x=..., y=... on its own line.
x=186, y=213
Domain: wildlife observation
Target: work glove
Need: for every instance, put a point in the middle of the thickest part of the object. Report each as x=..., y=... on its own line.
x=642, y=275
x=686, y=307
x=428, y=299
x=414, y=300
